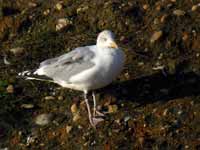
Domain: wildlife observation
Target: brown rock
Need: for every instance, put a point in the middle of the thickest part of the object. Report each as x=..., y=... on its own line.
x=156, y=36
x=10, y=89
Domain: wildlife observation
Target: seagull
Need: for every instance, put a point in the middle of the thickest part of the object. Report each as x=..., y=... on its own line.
x=85, y=69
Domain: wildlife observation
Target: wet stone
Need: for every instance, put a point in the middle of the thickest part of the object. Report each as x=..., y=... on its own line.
x=63, y=23
x=156, y=35
x=27, y=106
x=10, y=89
x=17, y=50
x=112, y=108
x=43, y=119
x=178, y=12
x=74, y=108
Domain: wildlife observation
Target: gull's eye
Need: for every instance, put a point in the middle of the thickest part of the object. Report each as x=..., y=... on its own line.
x=104, y=39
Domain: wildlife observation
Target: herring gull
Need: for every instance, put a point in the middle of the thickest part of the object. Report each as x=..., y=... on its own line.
x=85, y=69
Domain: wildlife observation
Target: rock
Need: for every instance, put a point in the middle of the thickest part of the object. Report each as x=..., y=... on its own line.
x=6, y=62
x=10, y=89
x=49, y=98
x=194, y=7
x=74, y=108
x=173, y=1
x=178, y=12
x=112, y=108
x=81, y=9
x=156, y=36
x=31, y=4
x=60, y=98
x=43, y=119
x=63, y=23
x=59, y=6
x=145, y=7
x=163, y=18
x=185, y=36
x=68, y=128
x=27, y=106
x=46, y=12
x=76, y=117
x=17, y=50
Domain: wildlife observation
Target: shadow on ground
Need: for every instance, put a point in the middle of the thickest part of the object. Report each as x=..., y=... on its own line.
x=156, y=87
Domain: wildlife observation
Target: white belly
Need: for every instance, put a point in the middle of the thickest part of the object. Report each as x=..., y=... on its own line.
x=106, y=69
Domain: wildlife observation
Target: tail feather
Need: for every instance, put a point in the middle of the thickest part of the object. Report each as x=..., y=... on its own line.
x=31, y=75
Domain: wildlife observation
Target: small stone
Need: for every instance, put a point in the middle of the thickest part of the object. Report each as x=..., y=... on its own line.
x=185, y=36
x=81, y=9
x=76, y=117
x=27, y=106
x=43, y=119
x=197, y=54
x=164, y=91
x=156, y=36
x=46, y=12
x=141, y=63
x=165, y=112
x=60, y=98
x=127, y=118
x=162, y=19
x=68, y=128
x=74, y=108
x=194, y=7
x=112, y=108
x=49, y=98
x=17, y=50
x=63, y=23
x=31, y=4
x=178, y=12
x=145, y=6
x=10, y=89
x=59, y=6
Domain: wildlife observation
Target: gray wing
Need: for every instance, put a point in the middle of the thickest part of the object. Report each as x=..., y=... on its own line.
x=67, y=65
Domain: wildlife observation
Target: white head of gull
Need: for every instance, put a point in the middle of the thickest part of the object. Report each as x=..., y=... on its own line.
x=85, y=69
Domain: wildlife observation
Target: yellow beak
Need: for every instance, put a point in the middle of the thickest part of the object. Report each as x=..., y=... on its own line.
x=113, y=45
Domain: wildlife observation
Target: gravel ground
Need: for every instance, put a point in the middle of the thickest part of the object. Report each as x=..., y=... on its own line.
x=155, y=102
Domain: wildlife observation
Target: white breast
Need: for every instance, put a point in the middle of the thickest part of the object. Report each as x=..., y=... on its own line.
x=108, y=65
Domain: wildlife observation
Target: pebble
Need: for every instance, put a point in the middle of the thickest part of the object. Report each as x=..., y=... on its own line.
x=27, y=106
x=74, y=108
x=31, y=4
x=165, y=112
x=59, y=6
x=60, y=98
x=185, y=36
x=173, y=1
x=10, y=89
x=81, y=9
x=63, y=23
x=68, y=128
x=145, y=6
x=112, y=108
x=6, y=62
x=46, y=12
x=141, y=63
x=178, y=12
x=127, y=118
x=156, y=36
x=163, y=18
x=43, y=119
x=76, y=117
x=17, y=50
x=49, y=98
x=194, y=7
